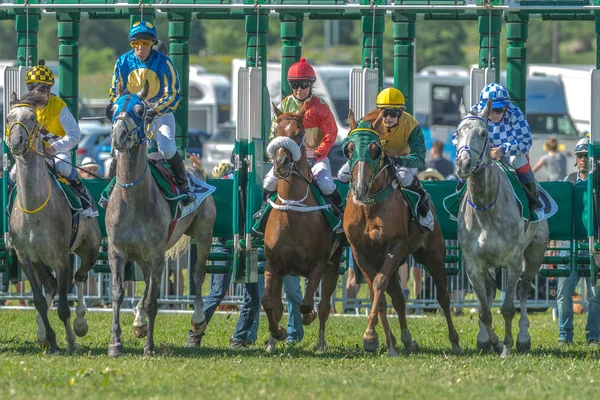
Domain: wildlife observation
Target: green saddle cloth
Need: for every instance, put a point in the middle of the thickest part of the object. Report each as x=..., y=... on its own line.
x=72, y=199
x=333, y=221
x=164, y=185
x=452, y=202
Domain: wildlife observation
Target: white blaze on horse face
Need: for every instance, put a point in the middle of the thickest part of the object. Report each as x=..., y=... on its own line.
x=289, y=130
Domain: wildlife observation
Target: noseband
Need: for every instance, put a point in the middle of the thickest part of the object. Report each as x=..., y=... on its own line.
x=294, y=168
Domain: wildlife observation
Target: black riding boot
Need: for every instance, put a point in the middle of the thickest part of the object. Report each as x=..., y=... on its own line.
x=176, y=163
x=423, y=206
x=335, y=199
x=533, y=196
x=87, y=201
x=266, y=195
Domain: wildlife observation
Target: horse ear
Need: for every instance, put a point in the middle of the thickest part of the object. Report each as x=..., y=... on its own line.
x=462, y=109
x=378, y=120
x=13, y=98
x=351, y=120
x=276, y=110
x=487, y=110
x=301, y=111
x=144, y=93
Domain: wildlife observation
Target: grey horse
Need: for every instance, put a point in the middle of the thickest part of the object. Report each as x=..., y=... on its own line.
x=492, y=234
x=41, y=225
x=137, y=225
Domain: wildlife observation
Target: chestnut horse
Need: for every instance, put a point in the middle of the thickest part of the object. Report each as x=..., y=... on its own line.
x=298, y=239
x=382, y=234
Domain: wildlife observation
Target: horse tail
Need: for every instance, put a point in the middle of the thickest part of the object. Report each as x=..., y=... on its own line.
x=178, y=248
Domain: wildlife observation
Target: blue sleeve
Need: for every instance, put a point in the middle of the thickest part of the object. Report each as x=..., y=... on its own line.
x=116, y=79
x=170, y=98
x=521, y=136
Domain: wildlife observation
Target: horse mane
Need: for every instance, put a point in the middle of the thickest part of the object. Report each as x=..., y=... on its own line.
x=371, y=116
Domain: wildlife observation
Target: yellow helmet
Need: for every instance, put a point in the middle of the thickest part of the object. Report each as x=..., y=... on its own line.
x=390, y=98
x=220, y=170
x=39, y=74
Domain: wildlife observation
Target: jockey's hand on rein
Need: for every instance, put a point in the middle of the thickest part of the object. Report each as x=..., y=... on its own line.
x=496, y=153
x=151, y=113
x=311, y=162
x=50, y=150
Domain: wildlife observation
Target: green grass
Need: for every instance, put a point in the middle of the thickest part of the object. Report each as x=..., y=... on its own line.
x=344, y=371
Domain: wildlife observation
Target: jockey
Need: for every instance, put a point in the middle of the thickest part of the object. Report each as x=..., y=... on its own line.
x=404, y=146
x=60, y=132
x=510, y=136
x=320, y=132
x=144, y=64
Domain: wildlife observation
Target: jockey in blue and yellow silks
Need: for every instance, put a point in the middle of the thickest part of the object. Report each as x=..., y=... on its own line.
x=59, y=131
x=143, y=64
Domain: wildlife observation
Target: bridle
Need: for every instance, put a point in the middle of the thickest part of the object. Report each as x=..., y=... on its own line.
x=478, y=165
x=294, y=167
x=33, y=136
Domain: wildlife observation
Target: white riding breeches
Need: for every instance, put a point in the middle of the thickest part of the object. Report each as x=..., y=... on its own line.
x=64, y=169
x=321, y=172
x=515, y=161
x=165, y=135
x=405, y=174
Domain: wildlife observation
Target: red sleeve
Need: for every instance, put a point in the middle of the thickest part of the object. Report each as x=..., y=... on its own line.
x=329, y=130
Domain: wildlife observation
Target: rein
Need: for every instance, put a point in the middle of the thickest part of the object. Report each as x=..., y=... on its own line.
x=40, y=207
x=478, y=208
x=479, y=163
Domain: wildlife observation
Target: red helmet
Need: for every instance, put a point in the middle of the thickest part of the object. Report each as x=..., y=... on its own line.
x=301, y=71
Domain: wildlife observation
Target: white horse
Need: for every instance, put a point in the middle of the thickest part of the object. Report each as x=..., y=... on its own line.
x=492, y=234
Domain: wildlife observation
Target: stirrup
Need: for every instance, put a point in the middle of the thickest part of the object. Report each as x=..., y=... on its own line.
x=189, y=198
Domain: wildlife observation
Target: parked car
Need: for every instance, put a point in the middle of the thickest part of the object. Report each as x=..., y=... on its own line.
x=92, y=134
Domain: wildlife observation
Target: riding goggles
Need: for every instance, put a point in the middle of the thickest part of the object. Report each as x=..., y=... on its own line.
x=393, y=112
x=300, y=84
x=498, y=110
x=141, y=42
x=581, y=148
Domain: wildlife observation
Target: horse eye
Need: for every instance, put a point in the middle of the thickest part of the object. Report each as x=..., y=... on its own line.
x=348, y=150
x=138, y=110
x=374, y=151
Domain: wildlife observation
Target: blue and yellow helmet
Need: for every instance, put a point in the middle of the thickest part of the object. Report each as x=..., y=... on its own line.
x=142, y=30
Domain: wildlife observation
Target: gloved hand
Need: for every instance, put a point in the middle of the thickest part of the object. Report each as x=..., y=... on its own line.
x=311, y=162
x=151, y=113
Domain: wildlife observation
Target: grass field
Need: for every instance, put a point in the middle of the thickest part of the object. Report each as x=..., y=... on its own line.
x=344, y=371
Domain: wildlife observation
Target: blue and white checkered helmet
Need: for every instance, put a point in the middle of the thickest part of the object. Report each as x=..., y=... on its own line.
x=497, y=93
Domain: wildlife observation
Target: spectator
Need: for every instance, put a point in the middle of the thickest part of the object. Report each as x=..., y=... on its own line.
x=554, y=161
x=438, y=161
x=566, y=286
x=88, y=167
x=352, y=287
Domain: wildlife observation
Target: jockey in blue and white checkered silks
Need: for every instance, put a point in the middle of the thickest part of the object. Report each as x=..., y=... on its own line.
x=144, y=64
x=510, y=136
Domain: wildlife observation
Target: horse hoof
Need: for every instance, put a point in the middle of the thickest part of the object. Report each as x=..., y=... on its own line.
x=320, y=346
x=80, y=326
x=115, y=350
x=140, y=331
x=392, y=352
x=412, y=348
x=148, y=353
x=499, y=347
x=44, y=343
x=483, y=346
x=457, y=350
x=193, y=342
x=54, y=349
x=280, y=335
x=199, y=329
x=308, y=319
x=524, y=347
x=506, y=352
x=74, y=348
x=371, y=346
x=271, y=345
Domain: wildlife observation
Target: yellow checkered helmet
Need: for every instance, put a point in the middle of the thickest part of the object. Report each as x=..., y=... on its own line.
x=220, y=170
x=390, y=98
x=40, y=74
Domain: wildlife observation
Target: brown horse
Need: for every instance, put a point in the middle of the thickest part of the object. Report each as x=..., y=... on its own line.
x=298, y=239
x=382, y=234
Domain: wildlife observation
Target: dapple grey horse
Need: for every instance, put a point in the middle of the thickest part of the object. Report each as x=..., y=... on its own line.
x=41, y=227
x=492, y=234
x=137, y=225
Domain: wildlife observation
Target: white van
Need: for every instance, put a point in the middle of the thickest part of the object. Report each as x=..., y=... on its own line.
x=209, y=97
x=333, y=85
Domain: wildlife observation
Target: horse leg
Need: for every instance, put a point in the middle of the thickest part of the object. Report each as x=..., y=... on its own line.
x=390, y=339
x=330, y=277
x=117, y=263
x=434, y=261
x=273, y=306
x=477, y=278
x=64, y=276
x=203, y=235
x=394, y=289
x=370, y=339
x=140, y=323
x=307, y=307
x=508, y=306
x=151, y=305
x=50, y=287
x=89, y=254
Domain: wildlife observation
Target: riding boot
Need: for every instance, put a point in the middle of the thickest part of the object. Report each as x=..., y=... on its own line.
x=423, y=206
x=87, y=201
x=533, y=196
x=335, y=199
x=176, y=163
x=266, y=195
